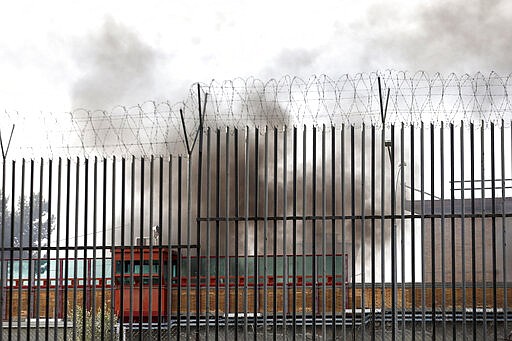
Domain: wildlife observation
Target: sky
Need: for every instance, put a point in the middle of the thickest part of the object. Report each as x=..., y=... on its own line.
x=62, y=55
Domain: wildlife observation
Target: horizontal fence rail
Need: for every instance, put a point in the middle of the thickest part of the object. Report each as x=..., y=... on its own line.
x=377, y=232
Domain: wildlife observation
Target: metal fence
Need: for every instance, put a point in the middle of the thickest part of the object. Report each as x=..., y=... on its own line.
x=369, y=232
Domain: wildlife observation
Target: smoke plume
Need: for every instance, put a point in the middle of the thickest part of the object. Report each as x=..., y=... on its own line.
x=118, y=68
x=442, y=36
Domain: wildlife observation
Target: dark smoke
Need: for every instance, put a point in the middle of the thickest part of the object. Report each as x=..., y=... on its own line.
x=451, y=36
x=444, y=36
x=265, y=116
x=118, y=68
x=294, y=62
x=362, y=195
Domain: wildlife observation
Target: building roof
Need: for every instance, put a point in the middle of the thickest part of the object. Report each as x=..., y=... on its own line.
x=458, y=204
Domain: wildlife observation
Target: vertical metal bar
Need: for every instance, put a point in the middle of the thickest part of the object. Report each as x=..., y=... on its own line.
x=324, y=241
x=94, y=242
x=265, y=237
x=87, y=281
x=304, y=211
x=294, y=236
x=265, y=227
x=20, y=246
x=393, y=234
x=413, y=232
x=246, y=232
x=422, y=231
x=30, y=249
x=104, y=253
x=473, y=228
x=198, y=229
x=226, y=240
x=179, y=257
x=383, y=230
x=86, y=223
x=48, y=253
x=432, y=230
x=188, y=260
x=237, y=232
x=151, y=243
x=132, y=243
x=161, y=262
x=217, y=231
x=184, y=259
x=482, y=191
x=39, y=250
x=373, y=246
x=344, y=275
x=58, y=269
x=169, y=269
x=443, y=238
x=493, y=232
x=256, y=202
x=285, y=235
x=313, y=240
x=208, y=232
x=274, y=239
x=503, y=227
x=363, y=237
x=452, y=223
x=67, y=247
x=141, y=248
x=112, y=250
x=333, y=231
x=383, y=168
x=11, y=253
x=123, y=242
x=3, y=263
x=13, y=282
x=353, y=226
x=462, y=232
x=75, y=248
x=402, y=228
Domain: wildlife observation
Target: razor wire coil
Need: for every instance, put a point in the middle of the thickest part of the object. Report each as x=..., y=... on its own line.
x=156, y=129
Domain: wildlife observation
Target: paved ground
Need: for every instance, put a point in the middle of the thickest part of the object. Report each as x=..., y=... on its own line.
x=442, y=332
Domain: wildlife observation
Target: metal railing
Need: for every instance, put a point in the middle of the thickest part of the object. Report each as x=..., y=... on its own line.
x=420, y=213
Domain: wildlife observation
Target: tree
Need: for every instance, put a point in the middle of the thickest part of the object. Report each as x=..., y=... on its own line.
x=29, y=228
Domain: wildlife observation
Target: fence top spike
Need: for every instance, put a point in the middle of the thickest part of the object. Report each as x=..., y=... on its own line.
x=6, y=150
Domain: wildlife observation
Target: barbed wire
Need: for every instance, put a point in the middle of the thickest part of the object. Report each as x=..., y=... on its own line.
x=355, y=100
x=156, y=128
